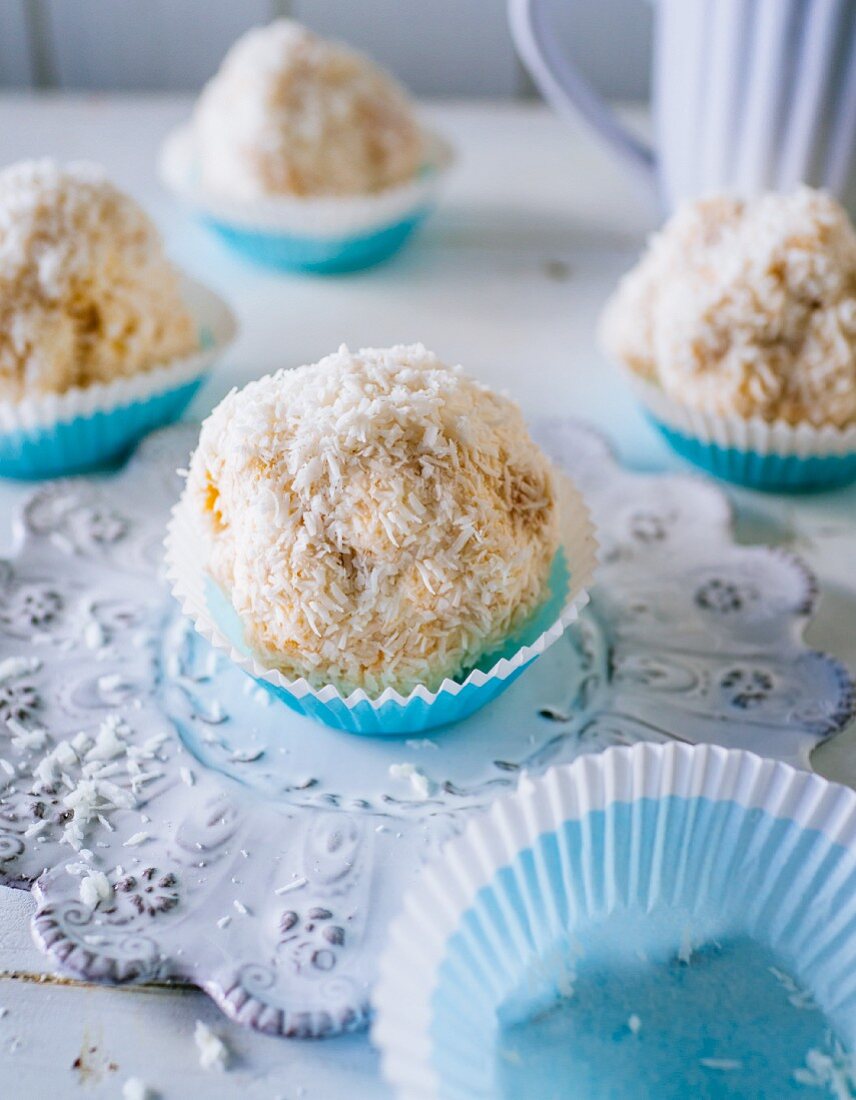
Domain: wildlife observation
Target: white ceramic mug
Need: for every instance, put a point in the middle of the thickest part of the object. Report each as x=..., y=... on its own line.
x=749, y=95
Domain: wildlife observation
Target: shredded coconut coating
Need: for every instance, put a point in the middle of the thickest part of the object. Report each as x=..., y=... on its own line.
x=746, y=308
x=290, y=113
x=379, y=519
x=86, y=292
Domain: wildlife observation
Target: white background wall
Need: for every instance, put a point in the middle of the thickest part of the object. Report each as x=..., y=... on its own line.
x=437, y=47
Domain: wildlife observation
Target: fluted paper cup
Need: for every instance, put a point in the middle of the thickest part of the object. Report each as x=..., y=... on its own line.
x=775, y=456
x=390, y=713
x=678, y=920
x=85, y=428
x=325, y=234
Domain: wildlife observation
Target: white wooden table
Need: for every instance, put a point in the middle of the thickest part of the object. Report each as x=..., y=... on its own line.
x=507, y=280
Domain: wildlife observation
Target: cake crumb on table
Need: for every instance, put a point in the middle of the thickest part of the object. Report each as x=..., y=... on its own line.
x=213, y=1052
x=135, y=1089
x=723, y=1064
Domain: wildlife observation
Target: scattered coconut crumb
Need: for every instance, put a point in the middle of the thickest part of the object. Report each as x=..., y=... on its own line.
x=247, y=756
x=135, y=1089
x=798, y=997
x=95, y=887
x=289, y=886
x=834, y=1071
x=108, y=744
x=12, y=667
x=138, y=838
x=93, y=635
x=24, y=739
x=92, y=772
x=421, y=784
x=213, y=1052
x=635, y=1024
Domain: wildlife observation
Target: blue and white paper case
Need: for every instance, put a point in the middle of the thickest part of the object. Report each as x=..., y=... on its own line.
x=321, y=235
x=51, y=435
x=390, y=714
x=695, y=845
x=777, y=456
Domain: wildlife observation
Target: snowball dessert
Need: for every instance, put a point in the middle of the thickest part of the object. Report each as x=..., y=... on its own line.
x=292, y=114
x=86, y=292
x=746, y=308
x=377, y=520
x=302, y=155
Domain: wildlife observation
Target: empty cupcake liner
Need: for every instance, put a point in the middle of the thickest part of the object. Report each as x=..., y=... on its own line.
x=773, y=456
x=390, y=713
x=324, y=235
x=682, y=849
x=86, y=428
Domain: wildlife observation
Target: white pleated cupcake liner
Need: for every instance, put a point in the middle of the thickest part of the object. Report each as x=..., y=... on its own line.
x=52, y=431
x=390, y=713
x=303, y=217
x=774, y=457
x=745, y=846
x=753, y=434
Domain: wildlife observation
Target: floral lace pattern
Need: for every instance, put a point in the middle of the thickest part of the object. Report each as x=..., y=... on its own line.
x=194, y=828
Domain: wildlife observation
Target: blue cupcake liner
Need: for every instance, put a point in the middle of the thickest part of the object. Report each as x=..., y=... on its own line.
x=768, y=472
x=390, y=714
x=318, y=255
x=90, y=442
x=774, y=457
x=94, y=427
x=326, y=235
x=611, y=896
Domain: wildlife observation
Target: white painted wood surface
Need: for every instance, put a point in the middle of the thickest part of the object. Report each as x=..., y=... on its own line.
x=437, y=47
x=445, y=47
x=507, y=279
x=16, y=56
x=143, y=44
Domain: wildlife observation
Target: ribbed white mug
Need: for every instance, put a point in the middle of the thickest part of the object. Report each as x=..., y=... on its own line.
x=749, y=95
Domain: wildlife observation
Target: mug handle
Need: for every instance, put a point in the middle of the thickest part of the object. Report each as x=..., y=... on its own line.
x=565, y=88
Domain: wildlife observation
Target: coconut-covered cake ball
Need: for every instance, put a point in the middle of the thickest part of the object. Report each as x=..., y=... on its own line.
x=746, y=308
x=290, y=113
x=86, y=291
x=378, y=519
